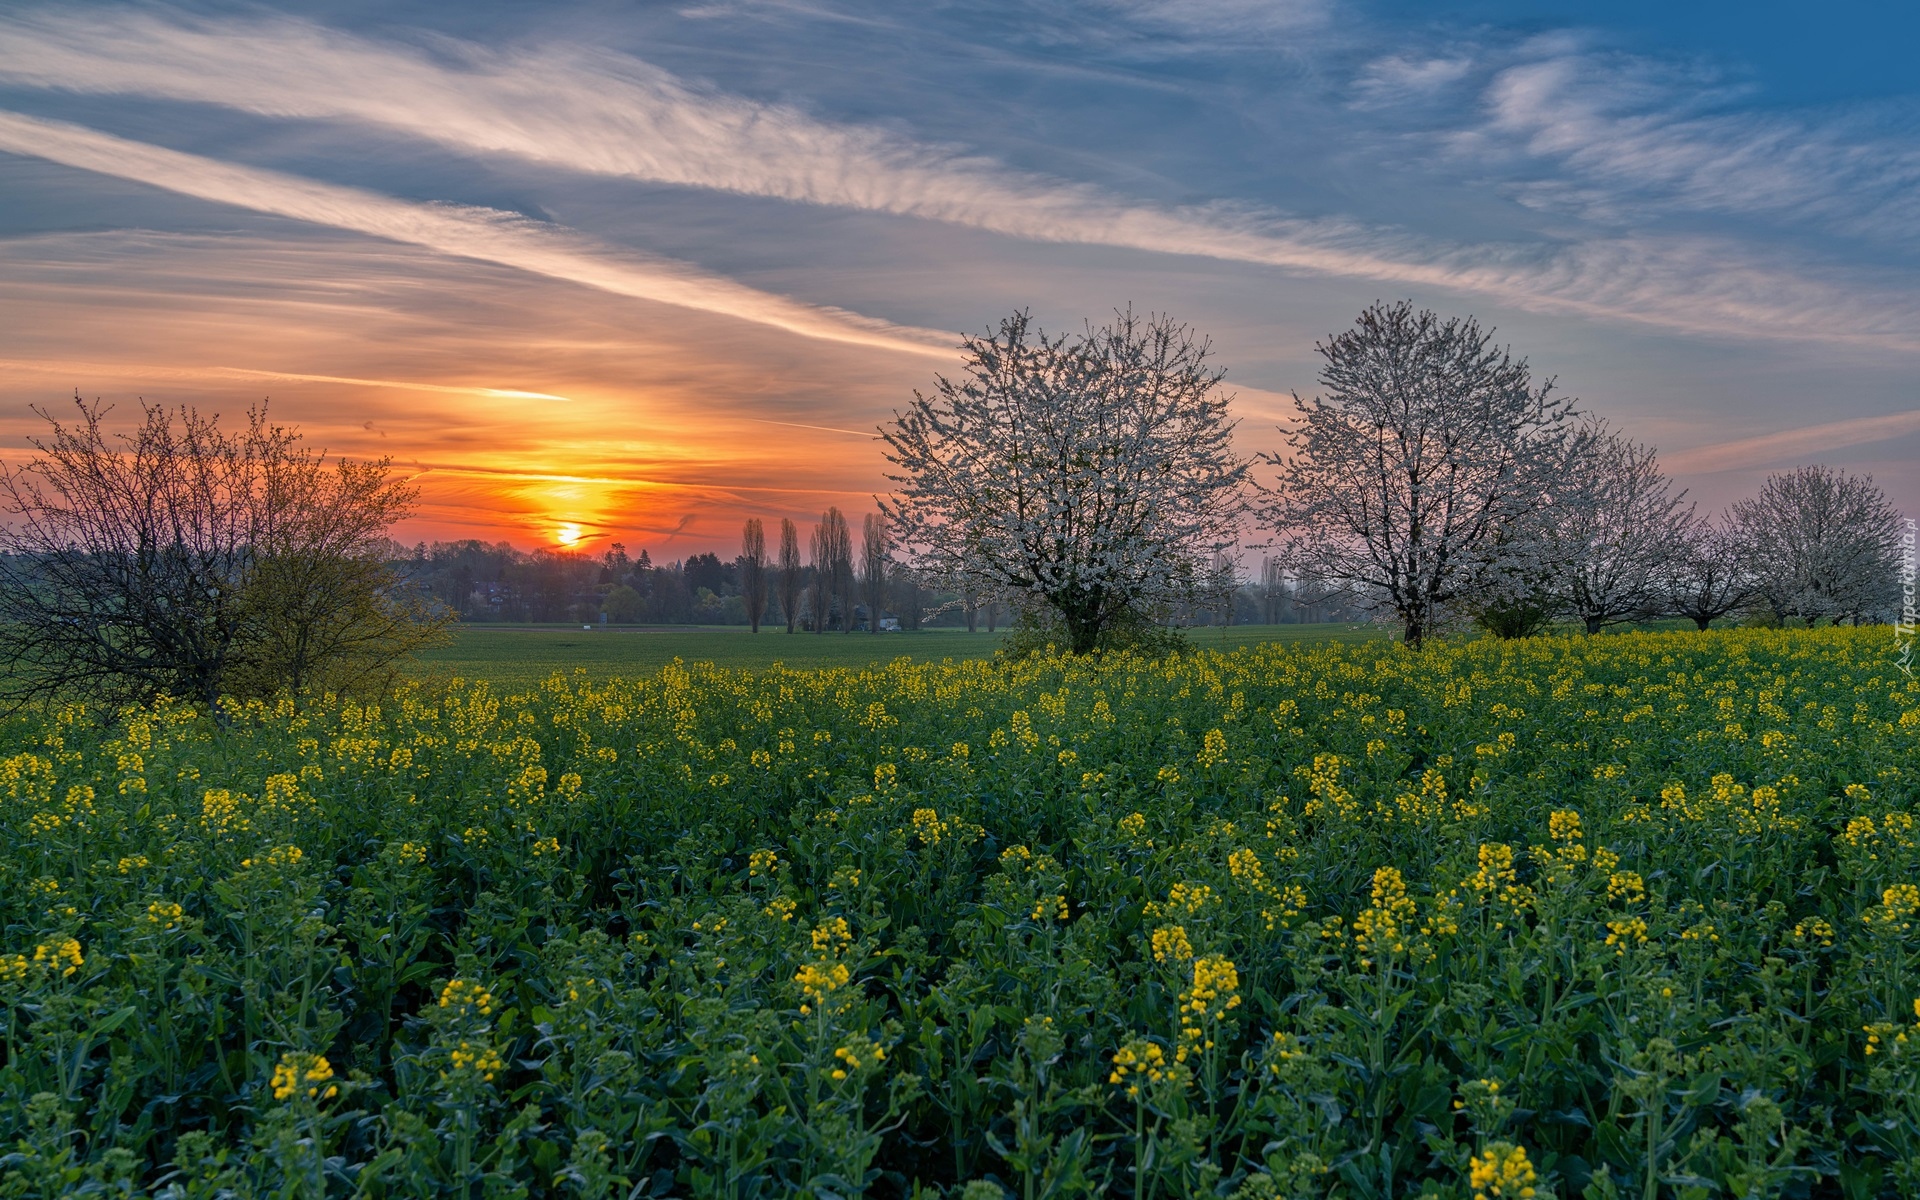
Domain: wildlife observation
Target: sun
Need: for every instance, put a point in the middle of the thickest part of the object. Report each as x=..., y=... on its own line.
x=568, y=535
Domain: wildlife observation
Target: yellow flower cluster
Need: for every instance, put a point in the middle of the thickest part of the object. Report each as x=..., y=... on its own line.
x=1889, y=1037
x=1626, y=933
x=299, y=1073
x=1050, y=908
x=478, y=1058
x=467, y=997
x=165, y=914
x=1501, y=1172
x=1213, y=749
x=1183, y=900
x=1383, y=927
x=1140, y=1060
x=856, y=1056
x=832, y=936
x=222, y=812
x=1214, y=993
x=1170, y=944
x=928, y=827
x=1627, y=887
x=1895, y=913
x=818, y=981
x=61, y=957
x=1813, y=932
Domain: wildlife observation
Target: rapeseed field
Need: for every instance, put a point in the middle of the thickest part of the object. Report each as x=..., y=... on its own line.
x=1616, y=916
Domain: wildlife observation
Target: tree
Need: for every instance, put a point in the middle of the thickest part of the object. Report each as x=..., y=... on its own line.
x=1221, y=587
x=1708, y=576
x=837, y=541
x=623, y=605
x=1429, y=446
x=908, y=600
x=1273, y=589
x=874, y=549
x=820, y=555
x=790, y=579
x=753, y=571
x=1821, y=542
x=1613, y=530
x=187, y=560
x=1091, y=474
x=832, y=550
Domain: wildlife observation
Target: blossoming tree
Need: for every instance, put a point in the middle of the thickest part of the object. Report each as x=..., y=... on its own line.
x=1091, y=474
x=1429, y=449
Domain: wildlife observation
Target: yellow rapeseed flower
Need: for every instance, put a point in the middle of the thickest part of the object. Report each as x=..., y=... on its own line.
x=297, y=1072
x=1502, y=1172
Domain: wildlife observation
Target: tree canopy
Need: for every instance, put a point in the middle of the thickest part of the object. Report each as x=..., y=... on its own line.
x=1089, y=475
x=194, y=561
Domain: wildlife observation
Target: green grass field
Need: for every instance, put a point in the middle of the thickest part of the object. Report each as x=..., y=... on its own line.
x=525, y=654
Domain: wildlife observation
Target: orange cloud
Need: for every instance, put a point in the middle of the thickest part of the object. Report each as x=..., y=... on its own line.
x=518, y=405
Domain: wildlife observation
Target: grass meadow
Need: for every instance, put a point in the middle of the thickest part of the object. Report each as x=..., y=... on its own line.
x=1624, y=916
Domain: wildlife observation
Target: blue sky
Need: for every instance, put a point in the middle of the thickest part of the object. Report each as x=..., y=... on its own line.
x=645, y=269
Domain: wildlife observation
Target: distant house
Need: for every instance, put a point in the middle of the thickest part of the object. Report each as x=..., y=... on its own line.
x=889, y=622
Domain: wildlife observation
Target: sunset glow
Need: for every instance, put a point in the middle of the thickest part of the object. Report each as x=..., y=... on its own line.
x=591, y=278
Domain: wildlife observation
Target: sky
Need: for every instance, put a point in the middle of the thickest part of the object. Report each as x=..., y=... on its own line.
x=601, y=272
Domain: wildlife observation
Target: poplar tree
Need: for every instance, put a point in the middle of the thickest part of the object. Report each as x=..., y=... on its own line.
x=753, y=571
x=791, y=581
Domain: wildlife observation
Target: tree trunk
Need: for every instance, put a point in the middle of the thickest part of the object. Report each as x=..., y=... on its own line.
x=1701, y=623
x=1414, y=634
x=1593, y=625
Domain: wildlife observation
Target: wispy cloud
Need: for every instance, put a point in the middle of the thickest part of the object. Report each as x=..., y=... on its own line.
x=151, y=371
x=1793, y=445
x=479, y=233
x=1210, y=21
x=600, y=113
x=1402, y=78
x=1639, y=133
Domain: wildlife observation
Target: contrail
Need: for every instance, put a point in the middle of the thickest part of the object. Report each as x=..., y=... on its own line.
x=822, y=428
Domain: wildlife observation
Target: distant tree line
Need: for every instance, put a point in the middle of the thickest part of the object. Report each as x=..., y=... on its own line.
x=831, y=585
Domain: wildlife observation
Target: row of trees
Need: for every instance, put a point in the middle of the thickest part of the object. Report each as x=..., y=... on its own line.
x=827, y=590
x=496, y=582
x=1435, y=481
x=1087, y=481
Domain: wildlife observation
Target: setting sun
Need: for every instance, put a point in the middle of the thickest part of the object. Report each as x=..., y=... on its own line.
x=568, y=535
